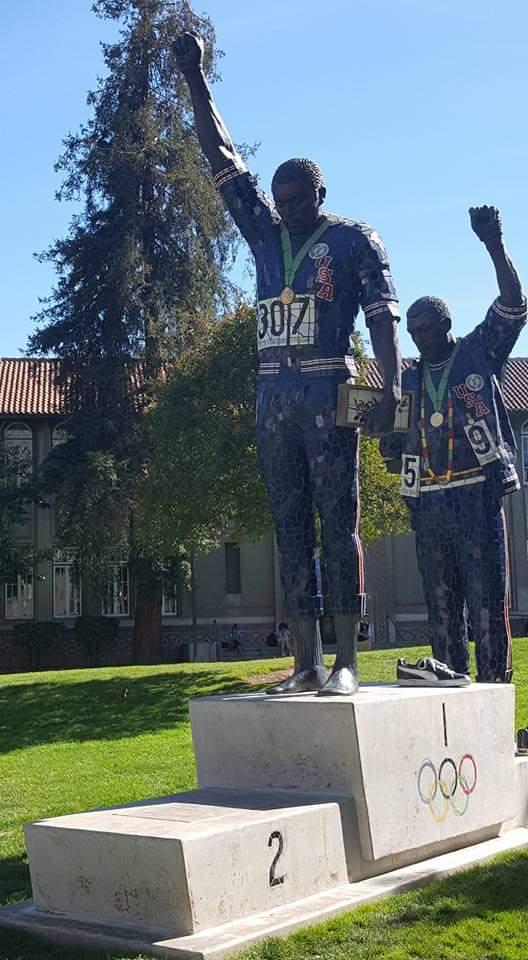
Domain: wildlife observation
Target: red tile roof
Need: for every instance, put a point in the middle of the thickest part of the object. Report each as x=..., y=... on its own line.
x=372, y=373
x=28, y=389
x=516, y=384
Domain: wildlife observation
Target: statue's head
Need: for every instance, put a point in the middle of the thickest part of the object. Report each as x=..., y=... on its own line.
x=429, y=324
x=298, y=191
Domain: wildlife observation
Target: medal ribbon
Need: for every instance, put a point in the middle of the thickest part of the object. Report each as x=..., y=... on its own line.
x=291, y=263
x=441, y=479
x=436, y=394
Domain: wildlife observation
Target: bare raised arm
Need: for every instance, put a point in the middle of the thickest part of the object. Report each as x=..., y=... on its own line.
x=212, y=134
x=486, y=223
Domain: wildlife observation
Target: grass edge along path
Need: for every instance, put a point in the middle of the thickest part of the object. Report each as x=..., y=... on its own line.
x=74, y=740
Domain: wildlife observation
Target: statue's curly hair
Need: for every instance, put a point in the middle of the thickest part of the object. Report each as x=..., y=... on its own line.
x=434, y=306
x=299, y=169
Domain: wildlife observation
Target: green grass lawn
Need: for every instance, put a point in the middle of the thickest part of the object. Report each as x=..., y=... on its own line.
x=70, y=741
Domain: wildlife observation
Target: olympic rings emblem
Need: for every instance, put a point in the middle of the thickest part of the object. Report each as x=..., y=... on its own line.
x=438, y=791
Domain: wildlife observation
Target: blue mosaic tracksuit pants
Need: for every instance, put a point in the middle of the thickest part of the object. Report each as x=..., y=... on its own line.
x=462, y=556
x=306, y=462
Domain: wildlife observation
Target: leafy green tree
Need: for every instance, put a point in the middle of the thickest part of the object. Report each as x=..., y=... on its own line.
x=382, y=507
x=143, y=266
x=203, y=477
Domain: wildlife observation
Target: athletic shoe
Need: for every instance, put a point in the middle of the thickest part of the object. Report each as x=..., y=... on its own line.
x=429, y=673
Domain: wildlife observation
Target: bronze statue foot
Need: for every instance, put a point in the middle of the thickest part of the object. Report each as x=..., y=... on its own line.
x=303, y=681
x=341, y=682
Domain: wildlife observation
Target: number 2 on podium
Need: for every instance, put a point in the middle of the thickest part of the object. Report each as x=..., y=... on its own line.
x=273, y=880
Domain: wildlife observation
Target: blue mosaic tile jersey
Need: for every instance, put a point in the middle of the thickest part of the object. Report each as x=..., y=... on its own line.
x=484, y=443
x=305, y=352
x=456, y=505
x=346, y=268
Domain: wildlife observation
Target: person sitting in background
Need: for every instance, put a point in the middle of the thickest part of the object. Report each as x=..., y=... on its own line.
x=284, y=640
x=236, y=640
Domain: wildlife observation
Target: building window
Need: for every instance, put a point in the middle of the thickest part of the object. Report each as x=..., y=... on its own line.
x=524, y=442
x=172, y=601
x=66, y=584
x=59, y=436
x=19, y=597
x=18, y=444
x=233, y=582
x=115, y=601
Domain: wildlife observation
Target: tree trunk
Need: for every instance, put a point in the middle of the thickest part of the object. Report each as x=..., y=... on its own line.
x=147, y=624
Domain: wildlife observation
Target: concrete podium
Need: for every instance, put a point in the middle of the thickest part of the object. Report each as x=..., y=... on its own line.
x=415, y=762
x=306, y=807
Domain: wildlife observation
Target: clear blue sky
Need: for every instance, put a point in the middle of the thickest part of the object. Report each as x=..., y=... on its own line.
x=415, y=110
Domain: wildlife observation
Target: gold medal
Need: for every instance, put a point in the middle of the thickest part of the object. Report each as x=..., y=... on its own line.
x=437, y=419
x=287, y=295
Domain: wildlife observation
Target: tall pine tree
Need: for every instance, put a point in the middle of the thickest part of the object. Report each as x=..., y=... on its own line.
x=145, y=261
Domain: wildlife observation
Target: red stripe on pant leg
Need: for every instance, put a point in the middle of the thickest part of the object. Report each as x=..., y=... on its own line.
x=359, y=546
x=507, y=593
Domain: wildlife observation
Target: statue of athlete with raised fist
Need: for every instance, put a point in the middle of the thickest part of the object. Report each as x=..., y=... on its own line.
x=314, y=271
x=457, y=465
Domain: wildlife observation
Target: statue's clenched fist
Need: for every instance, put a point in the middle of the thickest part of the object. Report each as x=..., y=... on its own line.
x=486, y=223
x=188, y=49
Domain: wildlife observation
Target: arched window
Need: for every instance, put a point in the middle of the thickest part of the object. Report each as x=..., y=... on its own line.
x=59, y=435
x=524, y=442
x=18, y=444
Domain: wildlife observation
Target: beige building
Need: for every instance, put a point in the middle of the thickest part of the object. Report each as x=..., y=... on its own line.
x=235, y=583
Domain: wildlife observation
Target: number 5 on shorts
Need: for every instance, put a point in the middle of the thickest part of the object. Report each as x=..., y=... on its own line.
x=410, y=476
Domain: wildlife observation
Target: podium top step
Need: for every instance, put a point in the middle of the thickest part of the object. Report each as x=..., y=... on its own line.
x=368, y=693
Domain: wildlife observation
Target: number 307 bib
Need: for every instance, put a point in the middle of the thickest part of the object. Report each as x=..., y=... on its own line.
x=286, y=324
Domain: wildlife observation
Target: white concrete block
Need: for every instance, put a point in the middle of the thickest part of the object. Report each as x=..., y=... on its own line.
x=230, y=938
x=424, y=766
x=521, y=790
x=299, y=795
x=188, y=862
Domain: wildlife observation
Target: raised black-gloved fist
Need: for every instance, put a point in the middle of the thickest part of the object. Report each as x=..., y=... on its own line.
x=188, y=50
x=486, y=223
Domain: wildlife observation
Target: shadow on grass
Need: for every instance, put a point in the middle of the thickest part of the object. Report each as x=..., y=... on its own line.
x=483, y=891
x=14, y=879
x=97, y=709
x=18, y=946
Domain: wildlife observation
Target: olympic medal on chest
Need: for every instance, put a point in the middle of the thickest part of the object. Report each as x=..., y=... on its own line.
x=437, y=419
x=287, y=295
